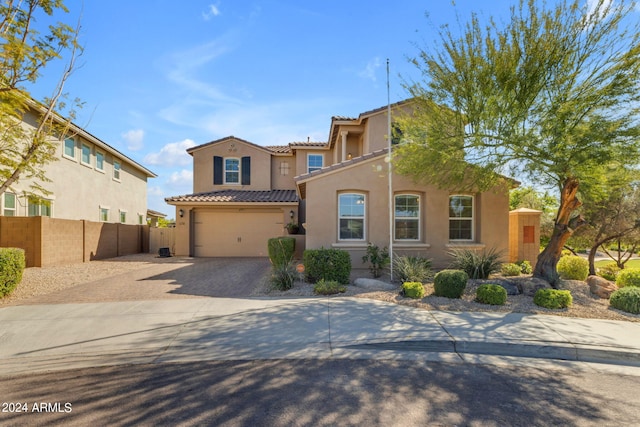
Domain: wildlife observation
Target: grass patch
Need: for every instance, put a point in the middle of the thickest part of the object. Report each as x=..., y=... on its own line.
x=634, y=263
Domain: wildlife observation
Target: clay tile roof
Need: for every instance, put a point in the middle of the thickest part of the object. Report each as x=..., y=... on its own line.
x=278, y=148
x=239, y=196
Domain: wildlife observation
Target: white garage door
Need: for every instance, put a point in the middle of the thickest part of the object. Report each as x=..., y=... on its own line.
x=229, y=234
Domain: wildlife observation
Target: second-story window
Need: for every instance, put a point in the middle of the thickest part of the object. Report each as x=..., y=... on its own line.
x=9, y=204
x=70, y=148
x=116, y=170
x=314, y=162
x=99, y=161
x=231, y=171
x=86, y=154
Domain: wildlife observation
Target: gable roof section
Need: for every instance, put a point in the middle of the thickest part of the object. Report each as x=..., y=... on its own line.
x=237, y=196
x=225, y=139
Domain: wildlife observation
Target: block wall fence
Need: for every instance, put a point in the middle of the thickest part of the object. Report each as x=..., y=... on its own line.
x=52, y=241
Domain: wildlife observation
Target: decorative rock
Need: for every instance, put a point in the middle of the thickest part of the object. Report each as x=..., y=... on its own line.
x=601, y=287
x=530, y=285
x=373, y=284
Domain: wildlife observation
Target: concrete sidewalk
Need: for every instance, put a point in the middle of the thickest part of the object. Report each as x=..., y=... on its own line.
x=66, y=336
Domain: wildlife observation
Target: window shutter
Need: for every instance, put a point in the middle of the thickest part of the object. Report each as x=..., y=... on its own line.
x=246, y=170
x=218, y=170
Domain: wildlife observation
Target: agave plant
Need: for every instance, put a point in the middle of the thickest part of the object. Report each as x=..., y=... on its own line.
x=478, y=265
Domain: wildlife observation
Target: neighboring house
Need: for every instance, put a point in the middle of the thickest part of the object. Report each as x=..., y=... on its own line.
x=245, y=193
x=90, y=180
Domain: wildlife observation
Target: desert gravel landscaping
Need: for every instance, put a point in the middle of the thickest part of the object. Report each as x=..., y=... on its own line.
x=38, y=282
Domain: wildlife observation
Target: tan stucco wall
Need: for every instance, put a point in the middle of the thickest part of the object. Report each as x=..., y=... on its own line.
x=370, y=177
x=78, y=190
x=278, y=180
x=203, y=166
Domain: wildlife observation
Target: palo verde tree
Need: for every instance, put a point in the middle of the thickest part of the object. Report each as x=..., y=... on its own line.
x=550, y=94
x=24, y=53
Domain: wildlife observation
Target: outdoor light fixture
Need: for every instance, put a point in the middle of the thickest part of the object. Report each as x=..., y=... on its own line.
x=181, y=213
x=349, y=156
x=291, y=213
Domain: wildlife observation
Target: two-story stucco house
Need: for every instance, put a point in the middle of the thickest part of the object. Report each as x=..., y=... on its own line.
x=339, y=191
x=90, y=180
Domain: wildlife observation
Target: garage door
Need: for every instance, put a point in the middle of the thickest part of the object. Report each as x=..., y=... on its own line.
x=240, y=233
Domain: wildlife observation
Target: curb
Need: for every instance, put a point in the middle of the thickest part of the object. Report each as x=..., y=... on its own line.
x=578, y=353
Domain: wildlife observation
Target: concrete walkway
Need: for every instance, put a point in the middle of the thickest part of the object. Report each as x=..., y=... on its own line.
x=36, y=338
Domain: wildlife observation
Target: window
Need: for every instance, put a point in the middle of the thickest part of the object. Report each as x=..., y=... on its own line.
x=231, y=171
x=39, y=207
x=86, y=154
x=9, y=204
x=407, y=217
x=314, y=162
x=123, y=217
x=351, y=211
x=99, y=161
x=104, y=214
x=284, y=168
x=140, y=219
x=70, y=148
x=116, y=170
x=460, y=218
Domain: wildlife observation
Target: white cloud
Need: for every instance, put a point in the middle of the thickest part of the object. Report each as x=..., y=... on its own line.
x=369, y=71
x=134, y=139
x=212, y=11
x=181, y=178
x=172, y=154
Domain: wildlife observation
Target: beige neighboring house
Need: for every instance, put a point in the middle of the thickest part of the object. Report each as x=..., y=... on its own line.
x=338, y=191
x=90, y=180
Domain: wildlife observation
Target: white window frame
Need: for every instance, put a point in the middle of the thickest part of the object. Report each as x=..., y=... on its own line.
x=64, y=148
x=225, y=171
x=98, y=155
x=362, y=217
x=314, y=168
x=122, y=216
x=417, y=219
x=31, y=203
x=458, y=218
x=117, y=169
x=103, y=210
x=14, y=210
x=82, y=147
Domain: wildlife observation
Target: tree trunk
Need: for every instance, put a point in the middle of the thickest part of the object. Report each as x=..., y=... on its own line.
x=565, y=225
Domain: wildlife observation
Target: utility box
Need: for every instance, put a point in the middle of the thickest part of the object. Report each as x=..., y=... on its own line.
x=524, y=235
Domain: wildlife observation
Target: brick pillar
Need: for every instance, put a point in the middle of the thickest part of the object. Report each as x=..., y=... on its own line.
x=524, y=235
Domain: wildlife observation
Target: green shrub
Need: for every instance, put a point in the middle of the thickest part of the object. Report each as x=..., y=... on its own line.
x=525, y=267
x=450, y=283
x=281, y=249
x=328, y=264
x=283, y=275
x=12, y=263
x=413, y=290
x=552, y=298
x=491, y=294
x=510, y=269
x=476, y=265
x=609, y=271
x=328, y=287
x=378, y=259
x=412, y=269
x=626, y=299
x=628, y=277
x=573, y=268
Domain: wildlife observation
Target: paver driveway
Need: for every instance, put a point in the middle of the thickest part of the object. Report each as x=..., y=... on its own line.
x=173, y=278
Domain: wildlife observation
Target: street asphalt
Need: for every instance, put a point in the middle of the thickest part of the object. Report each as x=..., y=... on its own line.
x=38, y=338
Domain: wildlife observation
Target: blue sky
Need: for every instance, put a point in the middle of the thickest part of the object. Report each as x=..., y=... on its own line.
x=158, y=77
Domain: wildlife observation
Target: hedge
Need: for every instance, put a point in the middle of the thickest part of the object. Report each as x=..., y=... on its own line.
x=327, y=264
x=12, y=263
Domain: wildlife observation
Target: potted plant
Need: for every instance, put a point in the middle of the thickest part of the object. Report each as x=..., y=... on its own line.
x=292, y=228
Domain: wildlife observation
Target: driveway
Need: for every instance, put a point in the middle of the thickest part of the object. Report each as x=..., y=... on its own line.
x=166, y=279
